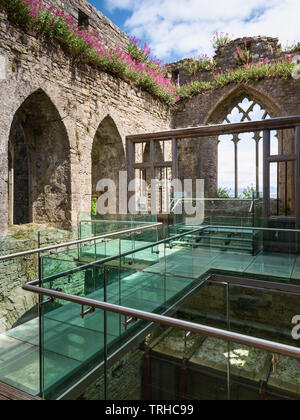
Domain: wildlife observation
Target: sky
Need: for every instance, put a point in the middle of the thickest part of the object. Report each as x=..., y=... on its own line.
x=179, y=29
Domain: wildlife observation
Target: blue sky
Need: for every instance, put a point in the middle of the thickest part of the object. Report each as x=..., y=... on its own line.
x=117, y=16
x=179, y=29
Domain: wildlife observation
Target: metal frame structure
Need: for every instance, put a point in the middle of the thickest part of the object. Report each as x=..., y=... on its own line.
x=35, y=287
x=130, y=313
x=217, y=130
x=78, y=242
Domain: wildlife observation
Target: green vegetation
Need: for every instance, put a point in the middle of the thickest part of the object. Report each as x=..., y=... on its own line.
x=193, y=66
x=223, y=193
x=136, y=66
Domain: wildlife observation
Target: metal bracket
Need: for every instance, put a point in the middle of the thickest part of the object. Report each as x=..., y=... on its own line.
x=275, y=360
x=187, y=335
x=50, y=300
x=128, y=321
x=91, y=310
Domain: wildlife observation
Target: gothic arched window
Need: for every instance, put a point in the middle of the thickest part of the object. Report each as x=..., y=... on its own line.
x=240, y=155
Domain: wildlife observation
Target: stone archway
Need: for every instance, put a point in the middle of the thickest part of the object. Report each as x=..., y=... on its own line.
x=242, y=104
x=108, y=156
x=39, y=164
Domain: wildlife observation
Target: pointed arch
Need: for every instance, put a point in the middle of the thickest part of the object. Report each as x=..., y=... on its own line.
x=237, y=95
x=108, y=155
x=240, y=156
x=39, y=163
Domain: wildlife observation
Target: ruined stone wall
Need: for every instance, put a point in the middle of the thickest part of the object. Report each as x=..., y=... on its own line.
x=260, y=48
x=199, y=157
x=124, y=380
x=14, y=301
x=60, y=107
x=109, y=33
x=265, y=314
x=83, y=97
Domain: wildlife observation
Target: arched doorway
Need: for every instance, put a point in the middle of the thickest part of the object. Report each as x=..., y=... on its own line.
x=39, y=164
x=108, y=157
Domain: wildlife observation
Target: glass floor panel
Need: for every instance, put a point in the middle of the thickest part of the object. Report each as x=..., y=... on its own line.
x=186, y=263
x=273, y=264
x=200, y=261
x=70, y=341
x=113, y=248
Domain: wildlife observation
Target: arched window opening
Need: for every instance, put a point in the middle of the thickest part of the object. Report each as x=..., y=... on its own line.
x=39, y=164
x=108, y=157
x=240, y=167
x=19, y=178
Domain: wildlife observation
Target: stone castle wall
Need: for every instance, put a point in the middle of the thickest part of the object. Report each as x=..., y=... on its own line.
x=199, y=157
x=82, y=98
x=109, y=33
x=79, y=99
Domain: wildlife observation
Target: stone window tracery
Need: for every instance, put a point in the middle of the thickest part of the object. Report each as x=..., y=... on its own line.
x=240, y=155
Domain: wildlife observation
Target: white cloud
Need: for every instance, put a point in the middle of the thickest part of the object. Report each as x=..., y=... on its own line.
x=185, y=28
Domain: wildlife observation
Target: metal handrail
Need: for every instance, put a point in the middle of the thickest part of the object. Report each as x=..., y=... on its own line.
x=113, y=234
x=254, y=228
x=136, y=250
x=229, y=336
x=114, y=221
x=118, y=256
x=77, y=242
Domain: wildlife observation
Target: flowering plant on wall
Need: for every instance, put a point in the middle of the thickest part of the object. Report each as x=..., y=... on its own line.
x=220, y=40
x=85, y=47
x=248, y=193
x=243, y=54
x=204, y=64
x=223, y=192
x=141, y=52
x=135, y=66
x=264, y=69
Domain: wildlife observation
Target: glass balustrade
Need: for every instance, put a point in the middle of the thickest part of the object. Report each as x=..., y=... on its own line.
x=226, y=277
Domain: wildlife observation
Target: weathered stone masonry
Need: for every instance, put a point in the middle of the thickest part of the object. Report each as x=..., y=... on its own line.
x=199, y=158
x=54, y=113
x=70, y=116
x=39, y=74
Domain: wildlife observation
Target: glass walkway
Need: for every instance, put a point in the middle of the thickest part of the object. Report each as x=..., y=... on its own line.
x=155, y=271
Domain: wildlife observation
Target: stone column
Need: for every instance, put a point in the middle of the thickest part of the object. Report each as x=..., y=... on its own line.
x=236, y=165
